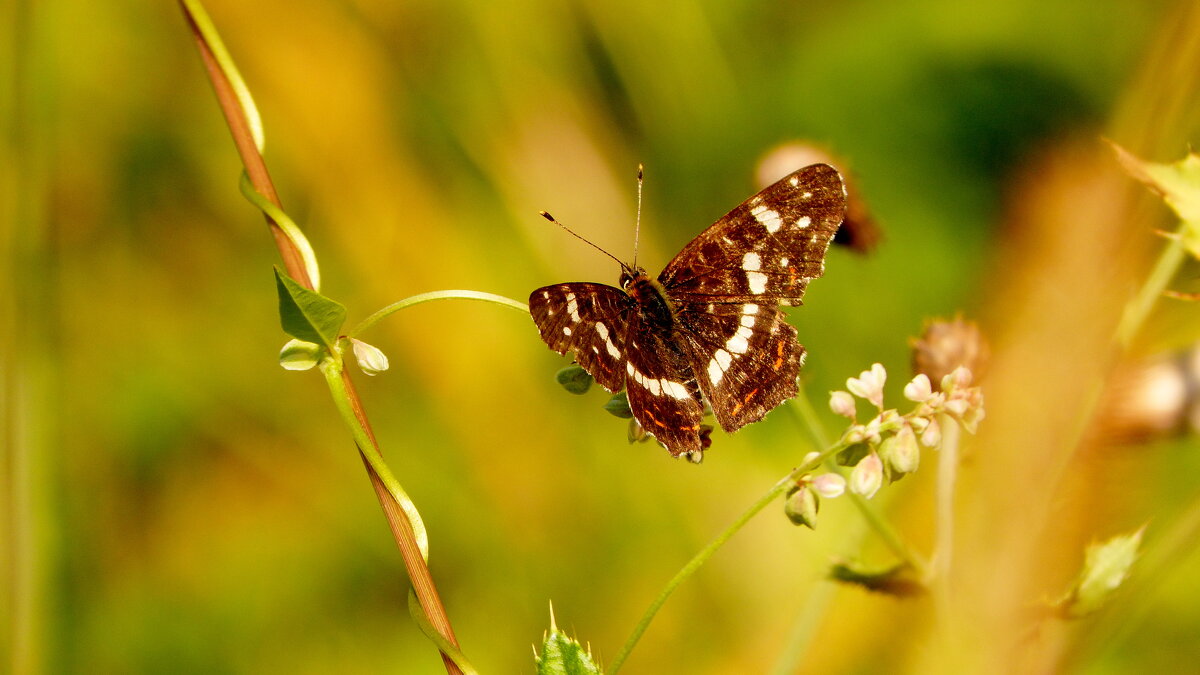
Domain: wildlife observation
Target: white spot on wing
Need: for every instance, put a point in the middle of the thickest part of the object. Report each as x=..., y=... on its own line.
x=748, y=320
x=757, y=281
x=795, y=181
x=783, y=262
x=566, y=330
x=718, y=365
x=740, y=342
x=602, y=331
x=804, y=222
x=751, y=262
x=674, y=389
x=750, y=309
x=572, y=307
x=806, y=195
x=769, y=219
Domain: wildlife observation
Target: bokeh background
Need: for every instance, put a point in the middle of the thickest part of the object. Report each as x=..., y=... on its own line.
x=173, y=501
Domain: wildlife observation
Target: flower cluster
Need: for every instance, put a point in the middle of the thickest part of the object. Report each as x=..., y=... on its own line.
x=888, y=446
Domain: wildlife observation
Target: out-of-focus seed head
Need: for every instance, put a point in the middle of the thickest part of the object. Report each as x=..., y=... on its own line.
x=947, y=344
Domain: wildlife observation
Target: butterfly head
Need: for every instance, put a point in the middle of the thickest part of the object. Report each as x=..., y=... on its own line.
x=629, y=275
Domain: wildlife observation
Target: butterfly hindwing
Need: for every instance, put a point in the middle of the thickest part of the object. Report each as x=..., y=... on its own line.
x=662, y=390
x=745, y=357
x=766, y=249
x=590, y=319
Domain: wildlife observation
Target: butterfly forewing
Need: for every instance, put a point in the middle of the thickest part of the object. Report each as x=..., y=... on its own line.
x=766, y=249
x=590, y=319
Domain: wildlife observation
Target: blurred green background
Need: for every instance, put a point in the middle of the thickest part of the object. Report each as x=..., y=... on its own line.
x=176, y=502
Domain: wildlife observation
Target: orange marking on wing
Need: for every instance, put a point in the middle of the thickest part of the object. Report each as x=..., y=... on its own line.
x=792, y=281
x=779, y=351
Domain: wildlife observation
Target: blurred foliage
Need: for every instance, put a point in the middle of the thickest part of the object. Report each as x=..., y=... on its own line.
x=176, y=502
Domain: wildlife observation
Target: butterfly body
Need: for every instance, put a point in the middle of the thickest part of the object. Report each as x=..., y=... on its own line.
x=709, y=327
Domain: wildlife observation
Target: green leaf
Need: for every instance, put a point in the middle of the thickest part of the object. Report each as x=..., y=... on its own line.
x=306, y=314
x=1178, y=184
x=574, y=379
x=1105, y=568
x=897, y=580
x=563, y=656
x=618, y=405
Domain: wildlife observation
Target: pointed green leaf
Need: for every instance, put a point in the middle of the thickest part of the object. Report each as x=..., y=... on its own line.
x=1179, y=185
x=306, y=314
x=1105, y=568
x=574, y=379
x=563, y=656
x=618, y=405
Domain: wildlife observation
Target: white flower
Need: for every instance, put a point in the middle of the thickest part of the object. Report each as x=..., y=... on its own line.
x=370, y=358
x=919, y=389
x=869, y=385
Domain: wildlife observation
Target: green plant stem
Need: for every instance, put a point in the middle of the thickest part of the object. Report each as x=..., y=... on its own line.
x=802, y=407
x=331, y=368
x=436, y=295
x=707, y=552
x=1161, y=274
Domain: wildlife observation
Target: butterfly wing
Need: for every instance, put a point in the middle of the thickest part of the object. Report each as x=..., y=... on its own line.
x=662, y=390
x=589, y=319
x=766, y=249
x=745, y=356
x=728, y=283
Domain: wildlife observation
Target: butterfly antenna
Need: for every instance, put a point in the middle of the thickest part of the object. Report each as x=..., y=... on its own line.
x=637, y=227
x=580, y=237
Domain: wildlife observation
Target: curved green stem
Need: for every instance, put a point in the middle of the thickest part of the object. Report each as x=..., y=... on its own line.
x=707, y=552
x=436, y=295
x=331, y=368
x=422, y=620
x=285, y=223
x=205, y=25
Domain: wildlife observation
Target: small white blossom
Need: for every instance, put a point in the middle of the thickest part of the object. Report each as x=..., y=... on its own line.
x=919, y=389
x=370, y=358
x=869, y=385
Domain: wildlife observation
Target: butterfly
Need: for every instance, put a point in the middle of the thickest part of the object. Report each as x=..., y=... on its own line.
x=709, y=328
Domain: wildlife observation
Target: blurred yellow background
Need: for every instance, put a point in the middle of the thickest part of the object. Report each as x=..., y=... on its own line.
x=176, y=502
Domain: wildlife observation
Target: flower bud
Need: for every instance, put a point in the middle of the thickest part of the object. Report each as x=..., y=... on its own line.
x=370, y=358
x=867, y=476
x=842, y=403
x=905, y=455
x=300, y=355
x=801, y=507
x=829, y=485
x=932, y=436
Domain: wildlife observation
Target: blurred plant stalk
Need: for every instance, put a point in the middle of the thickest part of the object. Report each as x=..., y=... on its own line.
x=245, y=127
